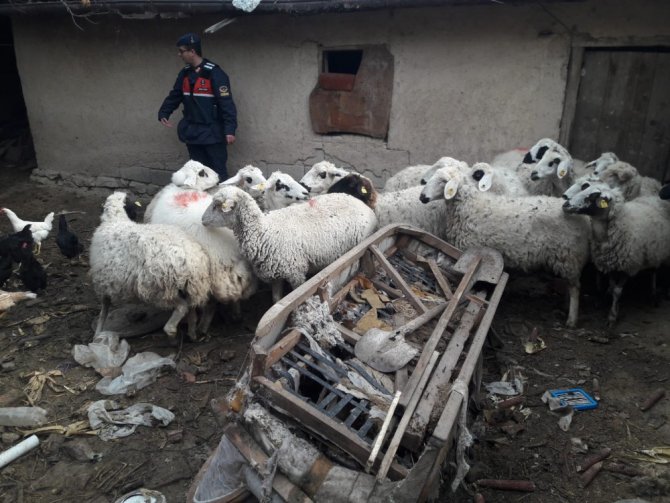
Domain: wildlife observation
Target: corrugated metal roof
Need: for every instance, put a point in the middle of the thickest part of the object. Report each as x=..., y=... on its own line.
x=158, y=7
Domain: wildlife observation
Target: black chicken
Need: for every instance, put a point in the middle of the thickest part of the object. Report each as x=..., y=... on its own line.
x=6, y=269
x=32, y=274
x=67, y=241
x=18, y=244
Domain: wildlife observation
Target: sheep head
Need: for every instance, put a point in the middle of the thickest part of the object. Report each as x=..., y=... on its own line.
x=248, y=178
x=537, y=151
x=358, y=186
x=556, y=161
x=601, y=163
x=442, y=162
x=595, y=199
x=483, y=174
x=220, y=211
x=195, y=175
x=321, y=177
x=582, y=183
x=282, y=190
x=442, y=185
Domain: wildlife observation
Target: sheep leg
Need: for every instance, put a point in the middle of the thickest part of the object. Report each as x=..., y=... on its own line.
x=235, y=311
x=102, y=317
x=192, y=324
x=206, y=317
x=655, y=300
x=178, y=314
x=277, y=290
x=573, y=310
x=617, y=281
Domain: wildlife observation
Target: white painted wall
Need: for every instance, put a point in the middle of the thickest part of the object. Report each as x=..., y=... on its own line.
x=469, y=82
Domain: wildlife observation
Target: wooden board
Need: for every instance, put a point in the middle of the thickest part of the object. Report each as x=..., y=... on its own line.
x=623, y=106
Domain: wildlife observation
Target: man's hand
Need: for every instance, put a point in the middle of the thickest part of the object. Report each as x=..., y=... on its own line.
x=230, y=139
x=166, y=122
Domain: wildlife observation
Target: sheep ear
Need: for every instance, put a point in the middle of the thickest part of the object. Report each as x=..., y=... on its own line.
x=486, y=182
x=233, y=180
x=451, y=189
x=189, y=181
x=564, y=168
x=625, y=175
x=227, y=205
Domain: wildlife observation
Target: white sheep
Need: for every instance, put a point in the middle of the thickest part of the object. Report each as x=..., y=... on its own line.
x=549, y=169
x=250, y=179
x=231, y=275
x=443, y=162
x=605, y=159
x=290, y=243
x=609, y=168
x=281, y=190
x=192, y=175
x=531, y=232
x=627, y=236
x=321, y=176
x=498, y=180
x=406, y=177
x=398, y=206
x=159, y=265
x=627, y=178
x=412, y=176
x=510, y=159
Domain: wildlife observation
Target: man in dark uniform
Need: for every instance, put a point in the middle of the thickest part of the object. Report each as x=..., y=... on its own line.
x=210, y=116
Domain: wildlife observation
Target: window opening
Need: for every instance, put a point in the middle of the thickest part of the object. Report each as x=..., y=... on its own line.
x=342, y=61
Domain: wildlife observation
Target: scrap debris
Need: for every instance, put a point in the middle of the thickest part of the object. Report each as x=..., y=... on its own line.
x=652, y=400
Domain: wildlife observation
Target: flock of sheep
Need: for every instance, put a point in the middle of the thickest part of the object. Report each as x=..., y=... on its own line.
x=205, y=242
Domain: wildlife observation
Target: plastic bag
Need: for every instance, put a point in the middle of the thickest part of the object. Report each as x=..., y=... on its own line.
x=137, y=373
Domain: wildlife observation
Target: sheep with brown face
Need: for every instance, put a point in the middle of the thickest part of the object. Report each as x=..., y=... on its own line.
x=358, y=186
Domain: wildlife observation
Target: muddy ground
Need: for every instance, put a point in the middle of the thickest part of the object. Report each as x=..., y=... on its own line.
x=630, y=363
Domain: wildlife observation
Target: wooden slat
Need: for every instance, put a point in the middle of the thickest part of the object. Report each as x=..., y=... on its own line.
x=468, y=367
x=258, y=358
x=404, y=421
x=282, y=347
x=432, y=241
x=322, y=425
x=398, y=279
x=257, y=457
x=435, y=337
x=414, y=437
x=570, y=103
x=393, y=292
x=442, y=435
x=439, y=277
x=349, y=335
x=342, y=293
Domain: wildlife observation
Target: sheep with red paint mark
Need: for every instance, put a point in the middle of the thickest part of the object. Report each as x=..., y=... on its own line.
x=182, y=204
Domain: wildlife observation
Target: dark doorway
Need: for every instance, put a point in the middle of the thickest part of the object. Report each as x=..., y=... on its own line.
x=17, y=155
x=623, y=106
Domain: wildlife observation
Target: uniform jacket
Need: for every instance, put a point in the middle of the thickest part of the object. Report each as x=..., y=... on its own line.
x=209, y=110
